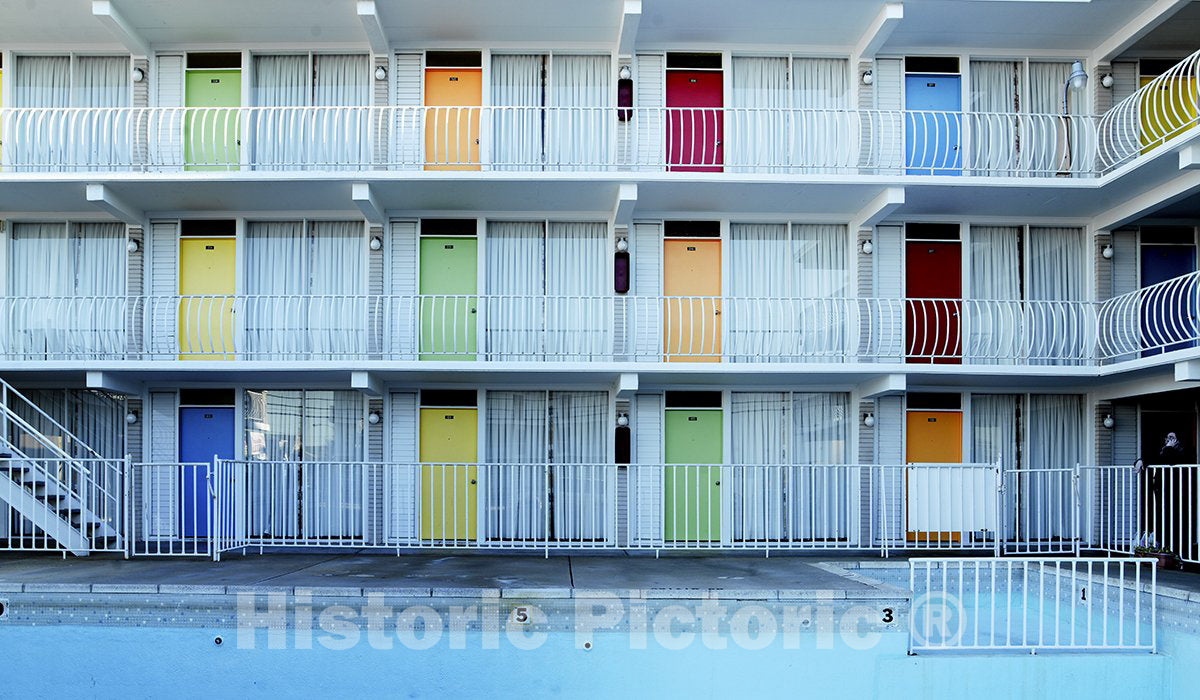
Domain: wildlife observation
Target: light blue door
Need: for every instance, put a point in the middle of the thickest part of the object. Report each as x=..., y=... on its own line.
x=933, y=124
x=203, y=432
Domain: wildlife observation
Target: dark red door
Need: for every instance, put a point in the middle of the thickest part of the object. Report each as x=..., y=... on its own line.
x=933, y=287
x=694, y=120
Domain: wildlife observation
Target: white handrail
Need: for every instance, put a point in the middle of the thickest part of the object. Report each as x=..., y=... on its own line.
x=1154, y=114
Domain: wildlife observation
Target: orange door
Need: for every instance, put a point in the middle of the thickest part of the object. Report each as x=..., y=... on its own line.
x=453, y=96
x=692, y=303
x=933, y=493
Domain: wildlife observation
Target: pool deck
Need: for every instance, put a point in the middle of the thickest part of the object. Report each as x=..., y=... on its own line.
x=356, y=574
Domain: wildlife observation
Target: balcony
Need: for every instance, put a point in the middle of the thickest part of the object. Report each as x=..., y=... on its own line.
x=609, y=329
x=548, y=139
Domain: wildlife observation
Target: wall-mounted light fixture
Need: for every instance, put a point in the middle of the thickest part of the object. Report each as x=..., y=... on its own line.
x=866, y=247
x=131, y=417
x=1107, y=80
x=1109, y=422
x=869, y=420
x=376, y=243
x=1107, y=252
x=624, y=73
x=373, y=417
x=380, y=73
x=137, y=74
x=622, y=419
x=868, y=77
x=132, y=245
x=622, y=244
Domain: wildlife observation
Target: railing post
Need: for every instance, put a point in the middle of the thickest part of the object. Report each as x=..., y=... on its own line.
x=999, y=506
x=1077, y=509
x=125, y=508
x=214, y=488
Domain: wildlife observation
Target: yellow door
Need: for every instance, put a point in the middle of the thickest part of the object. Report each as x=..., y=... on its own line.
x=449, y=492
x=452, y=122
x=692, y=303
x=1167, y=111
x=933, y=437
x=207, y=282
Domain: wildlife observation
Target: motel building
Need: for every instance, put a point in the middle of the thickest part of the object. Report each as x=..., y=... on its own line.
x=834, y=277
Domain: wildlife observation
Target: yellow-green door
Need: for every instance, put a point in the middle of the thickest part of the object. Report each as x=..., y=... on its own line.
x=207, y=283
x=692, y=478
x=449, y=451
x=448, y=284
x=211, y=132
x=1168, y=110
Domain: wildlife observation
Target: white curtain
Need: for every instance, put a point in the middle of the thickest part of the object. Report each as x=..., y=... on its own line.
x=101, y=81
x=821, y=283
x=518, y=118
x=821, y=493
x=516, y=284
x=517, y=445
x=993, y=313
x=334, y=494
x=341, y=85
x=760, y=438
x=279, y=81
x=995, y=101
x=826, y=139
x=761, y=321
x=305, y=287
x=578, y=306
x=1058, y=320
x=760, y=118
x=994, y=429
x=66, y=289
x=579, y=132
x=583, y=487
x=42, y=81
x=1054, y=143
x=96, y=418
x=273, y=421
x=1055, y=442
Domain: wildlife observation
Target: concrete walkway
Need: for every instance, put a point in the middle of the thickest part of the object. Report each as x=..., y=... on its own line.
x=431, y=574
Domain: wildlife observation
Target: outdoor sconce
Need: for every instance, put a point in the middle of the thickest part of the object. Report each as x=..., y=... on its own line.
x=624, y=73
x=869, y=420
x=1107, y=80
x=381, y=73
x=138, y=75
x=131, y=417
x=1109, y=422
x=376, y=243
x=373, y=417
x=621, y=267
x=867, y=247
x=622, y=420
x=132, y=245
x=868, y=77
x=1107, y=252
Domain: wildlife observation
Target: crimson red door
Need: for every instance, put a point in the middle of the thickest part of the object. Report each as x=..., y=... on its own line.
x=694, y=120
x=933, y=287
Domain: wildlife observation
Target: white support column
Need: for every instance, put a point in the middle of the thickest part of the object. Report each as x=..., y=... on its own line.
x=104, y=198
x=364, y=199
x=631, y=16
x=886, y=385
x=1141, y=25
x=626, y=385
x=372, y=26
x=109, y=16
x=1189, y=158
x=881, y=207
x=877, y=33
x=622, y=214
x=107, y=381
x=367, y=382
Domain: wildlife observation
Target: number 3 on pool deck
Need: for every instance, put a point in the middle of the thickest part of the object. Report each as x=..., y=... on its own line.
x=520, y=615
x=887, y=615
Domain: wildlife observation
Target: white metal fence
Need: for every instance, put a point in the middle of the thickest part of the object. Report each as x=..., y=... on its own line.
x=61, y=504
x=530, y=138
x=1143, y=508
x=1033, y=604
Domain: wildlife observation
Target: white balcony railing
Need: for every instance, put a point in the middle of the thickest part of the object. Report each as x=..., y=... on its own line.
x=1154, y=114
x=736, y=140
x=1151, y=320
x=548, y=328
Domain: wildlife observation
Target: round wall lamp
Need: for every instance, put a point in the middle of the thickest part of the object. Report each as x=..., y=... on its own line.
x=1107, y=80
x=624, y=73
x=622, y=419
x=131, y=417
x=373, y=417
x=869, y=420
x=1109, y=422
x=868, y=77
x=622, y=245
x=867, y=247
x=376, y=243
x=138, y=75
x=132, y=245
x=1107, y=252
x=381, y=73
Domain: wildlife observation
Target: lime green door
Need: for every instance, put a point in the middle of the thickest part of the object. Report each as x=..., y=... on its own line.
x=692, y=483
x=210, y=135
x=449, y=271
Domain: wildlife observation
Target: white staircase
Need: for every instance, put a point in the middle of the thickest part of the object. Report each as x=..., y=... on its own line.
x=67, y=492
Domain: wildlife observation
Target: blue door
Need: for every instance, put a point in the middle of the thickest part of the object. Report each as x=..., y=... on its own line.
x=933, y=123
x=203, y=432
x=1169, y=311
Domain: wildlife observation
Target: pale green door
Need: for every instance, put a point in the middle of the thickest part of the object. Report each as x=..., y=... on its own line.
x=211, y=135
x=694, y=447
x=449, y=270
